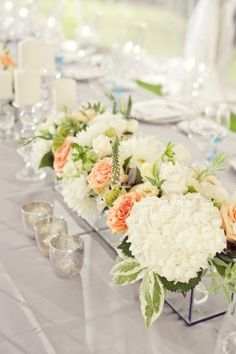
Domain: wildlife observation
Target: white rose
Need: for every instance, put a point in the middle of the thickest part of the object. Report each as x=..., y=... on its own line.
x=175, y=177
x=145, y=188
x=102, y=146
x=182, y=155
x=146, y=170
x=214, y=191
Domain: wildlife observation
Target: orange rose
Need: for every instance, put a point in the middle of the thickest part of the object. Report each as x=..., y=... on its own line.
x=7, y=61
x=228, y=214
x=101, y=175
x=121, y=210
x=61, y=155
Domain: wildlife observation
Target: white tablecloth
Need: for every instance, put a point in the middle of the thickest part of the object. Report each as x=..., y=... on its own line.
x=43, y=314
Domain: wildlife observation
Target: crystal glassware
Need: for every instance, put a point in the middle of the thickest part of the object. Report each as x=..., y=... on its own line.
x=29, y=117
x=66, y=255
x=7, y=119
x=47, y=93
x=34, y=211
x=226, y=341
x=209, y=127
x=48, y=228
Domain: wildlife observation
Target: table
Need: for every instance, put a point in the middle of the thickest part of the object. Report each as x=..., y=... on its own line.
x=43, y=314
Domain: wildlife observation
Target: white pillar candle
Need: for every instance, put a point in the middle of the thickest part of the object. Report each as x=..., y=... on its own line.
x=30, y=54
x=6, y=86
x=27, y=87
x=65, y=93
x=48, y=61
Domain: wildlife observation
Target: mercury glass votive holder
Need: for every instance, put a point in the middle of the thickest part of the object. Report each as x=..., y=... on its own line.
x=34, y=211
x=47, y=228
x=67, y=255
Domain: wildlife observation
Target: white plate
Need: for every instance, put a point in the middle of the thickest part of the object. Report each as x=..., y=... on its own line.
x=160, y=111
x=87, y=69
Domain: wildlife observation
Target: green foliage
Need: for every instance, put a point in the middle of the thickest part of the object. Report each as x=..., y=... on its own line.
x=83, y=154
x=47, y=160
x=126, y=164
x=96, y=106
x=224, y=277
x=191, y=189
x=126, y=109
x=125, y=247
x=115, y=162
x=179, y=286
x=112, y=194
x=216, y=165
x=155, y=179
x=58, y=141
x=44, y=134
x=126, y=271
x=157, y=89
x=233, y=122
x=151, y=295
x=112, y=99
x=169, y=152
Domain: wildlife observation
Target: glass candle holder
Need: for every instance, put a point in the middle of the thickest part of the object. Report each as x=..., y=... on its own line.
x=29, y=117
x=48, y=228
x=7, y=119
x=67, y=255
x=34, y=211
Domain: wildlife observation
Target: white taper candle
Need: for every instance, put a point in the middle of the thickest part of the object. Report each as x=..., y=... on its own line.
x=27, y=87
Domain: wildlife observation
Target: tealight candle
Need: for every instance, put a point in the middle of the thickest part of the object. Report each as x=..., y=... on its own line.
x=65, y=93
x=46, y=229
x=6, y=87
x=34, y=211
x=67, y=255
x=30, y=54
x=27, y=87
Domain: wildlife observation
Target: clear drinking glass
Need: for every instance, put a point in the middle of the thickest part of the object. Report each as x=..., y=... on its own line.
x=209, y=126
x=66, y=255
x=48, y=228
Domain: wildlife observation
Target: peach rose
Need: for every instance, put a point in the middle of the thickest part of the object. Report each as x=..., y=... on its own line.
x=61, y=155
x=101, y=175
x=228, y=214
x=121, y=210
x=7, y=61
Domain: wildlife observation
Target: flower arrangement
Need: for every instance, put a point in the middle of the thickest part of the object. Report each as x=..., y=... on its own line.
x=177, y=220
x=7, y=62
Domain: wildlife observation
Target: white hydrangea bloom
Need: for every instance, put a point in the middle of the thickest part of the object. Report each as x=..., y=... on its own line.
x=175, y=237
x=39, y=149
x=142, y=149
x=175, y=176
x=76, y=195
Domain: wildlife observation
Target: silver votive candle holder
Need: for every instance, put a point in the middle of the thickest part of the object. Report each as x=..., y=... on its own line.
x=48, y=228
x=33, y=212
x=67, y=255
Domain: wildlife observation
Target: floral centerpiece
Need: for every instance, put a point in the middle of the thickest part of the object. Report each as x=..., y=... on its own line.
x=177, y=220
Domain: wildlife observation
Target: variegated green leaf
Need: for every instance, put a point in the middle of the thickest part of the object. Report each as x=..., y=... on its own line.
x=151, y=295
x=126, y=271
